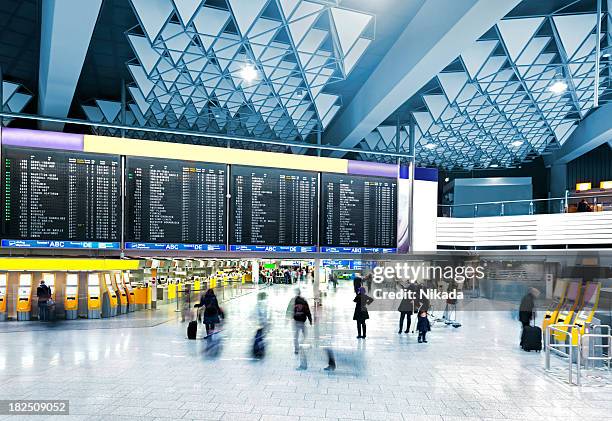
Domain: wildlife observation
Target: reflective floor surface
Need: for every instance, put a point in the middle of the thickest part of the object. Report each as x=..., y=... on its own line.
x=151, y=371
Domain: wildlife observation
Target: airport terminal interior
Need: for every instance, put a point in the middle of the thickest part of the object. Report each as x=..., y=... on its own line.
x=306, y=210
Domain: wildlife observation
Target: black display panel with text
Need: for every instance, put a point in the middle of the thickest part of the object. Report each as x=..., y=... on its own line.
x=273, y=209
x=176, y=205
x=60, y=199
x=358, y=212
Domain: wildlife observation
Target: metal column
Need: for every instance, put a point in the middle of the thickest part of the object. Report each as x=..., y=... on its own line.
x=411, y=151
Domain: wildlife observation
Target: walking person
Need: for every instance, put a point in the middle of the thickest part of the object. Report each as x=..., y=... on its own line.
x=360, y=315
x=43, y=292
x=423, y=326
x=406, y=308
x=212, y=311
x=527, y=310
x=300, y=312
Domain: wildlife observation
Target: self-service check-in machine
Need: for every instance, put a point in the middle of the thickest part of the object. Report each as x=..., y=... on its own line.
x=586, y=312
x=71, y=296
x=567, y=309
x=24, y=297
x=3, y=296
x=109, y=297
x=558, y=299
x=94, y=303
x=131, y=296
x=121, y=294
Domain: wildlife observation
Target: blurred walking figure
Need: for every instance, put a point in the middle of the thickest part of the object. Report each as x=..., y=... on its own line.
x=368, y=281
x=261, y=316
x=300, y=312
x=212, y=311
x=361, y=301
x=406, y=308
x=357, y=283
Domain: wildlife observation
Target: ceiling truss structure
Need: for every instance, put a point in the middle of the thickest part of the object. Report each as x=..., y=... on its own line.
x=191, y=57
x=495, y=105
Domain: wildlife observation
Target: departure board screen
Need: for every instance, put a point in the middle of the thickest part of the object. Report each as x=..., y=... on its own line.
x=358, y=211
x=273, y=207
x=175, y=204
x=60, y=199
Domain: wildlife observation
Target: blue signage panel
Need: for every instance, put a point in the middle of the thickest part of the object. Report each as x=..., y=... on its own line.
x=358, y=250
x=48, y=244
x=174, y=246
x=279, y=249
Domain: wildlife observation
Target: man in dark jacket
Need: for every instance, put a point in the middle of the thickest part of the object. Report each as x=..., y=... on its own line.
x=300, y=312
x=526, y=308
x=43, y=292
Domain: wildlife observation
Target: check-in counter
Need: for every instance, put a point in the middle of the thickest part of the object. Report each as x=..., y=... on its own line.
x=129, y=291
x=140, y=295
x=94, y=302
x=121, y=294
x=3, y=296
x=71, y=296
x=109, y=298
x=24, y=297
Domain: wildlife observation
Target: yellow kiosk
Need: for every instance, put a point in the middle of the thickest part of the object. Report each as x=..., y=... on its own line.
x=109, y=298
x=558, y=299
x=590, y=301
x=121, y=294
x=94, y=304
x=3, y=296
x=71, y=296
x=567, y=309
x=24, y=297
x=131, y=296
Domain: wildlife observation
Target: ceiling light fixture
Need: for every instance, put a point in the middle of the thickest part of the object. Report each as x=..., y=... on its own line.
x=517, y=143
x=430, y=146
x=248, y=73
x=494, y=165
x=606, y=55
x=558, y=87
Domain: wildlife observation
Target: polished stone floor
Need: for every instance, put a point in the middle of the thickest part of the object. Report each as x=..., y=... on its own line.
x=149, y=370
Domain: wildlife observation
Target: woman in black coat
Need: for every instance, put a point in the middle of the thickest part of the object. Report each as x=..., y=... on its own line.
x=360, y=315
x=406, y=308
x=212, y=311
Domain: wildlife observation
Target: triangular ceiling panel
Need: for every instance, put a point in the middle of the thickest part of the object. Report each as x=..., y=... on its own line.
x=573, y=29
x=153, y=15
x=186, y=9
x=246, y=12
x=476, y=56
x=349, y=26
x=517, y=33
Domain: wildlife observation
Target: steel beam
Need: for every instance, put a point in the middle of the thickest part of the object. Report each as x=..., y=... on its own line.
x=66, y=30
x=439, y=32
x=594, y=130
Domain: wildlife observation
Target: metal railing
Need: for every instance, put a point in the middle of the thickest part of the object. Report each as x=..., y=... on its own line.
x=524, y=207
x=576, y=351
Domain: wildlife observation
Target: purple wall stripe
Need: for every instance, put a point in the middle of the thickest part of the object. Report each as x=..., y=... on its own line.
x=372, y=168
x=42, y=139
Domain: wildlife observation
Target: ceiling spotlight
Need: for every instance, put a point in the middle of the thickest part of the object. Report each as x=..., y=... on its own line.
x=446, y=180
x=248, y=73
x=606, y=55
x=558, y=87
x=494, y=165
x=430, y=146
x=517, y=143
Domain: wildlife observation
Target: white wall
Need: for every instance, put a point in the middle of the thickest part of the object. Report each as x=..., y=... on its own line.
x=541, y=230
x=425, y=215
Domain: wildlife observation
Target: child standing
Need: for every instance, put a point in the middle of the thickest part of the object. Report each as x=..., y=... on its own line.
x=423, y=326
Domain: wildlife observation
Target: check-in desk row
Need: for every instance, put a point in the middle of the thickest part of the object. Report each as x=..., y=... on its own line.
x=104, y=295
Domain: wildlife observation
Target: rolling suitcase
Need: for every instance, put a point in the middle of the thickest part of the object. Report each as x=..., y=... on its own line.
x=259, y=347
x=531, y=338
x=192, y=329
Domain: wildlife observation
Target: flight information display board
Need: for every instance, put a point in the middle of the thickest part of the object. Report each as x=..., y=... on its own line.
x=175, y=205
x=359, y=214
x=273, y=209
x=60, y=199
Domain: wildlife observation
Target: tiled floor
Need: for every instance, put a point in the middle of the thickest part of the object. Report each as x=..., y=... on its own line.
x=153, y=371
